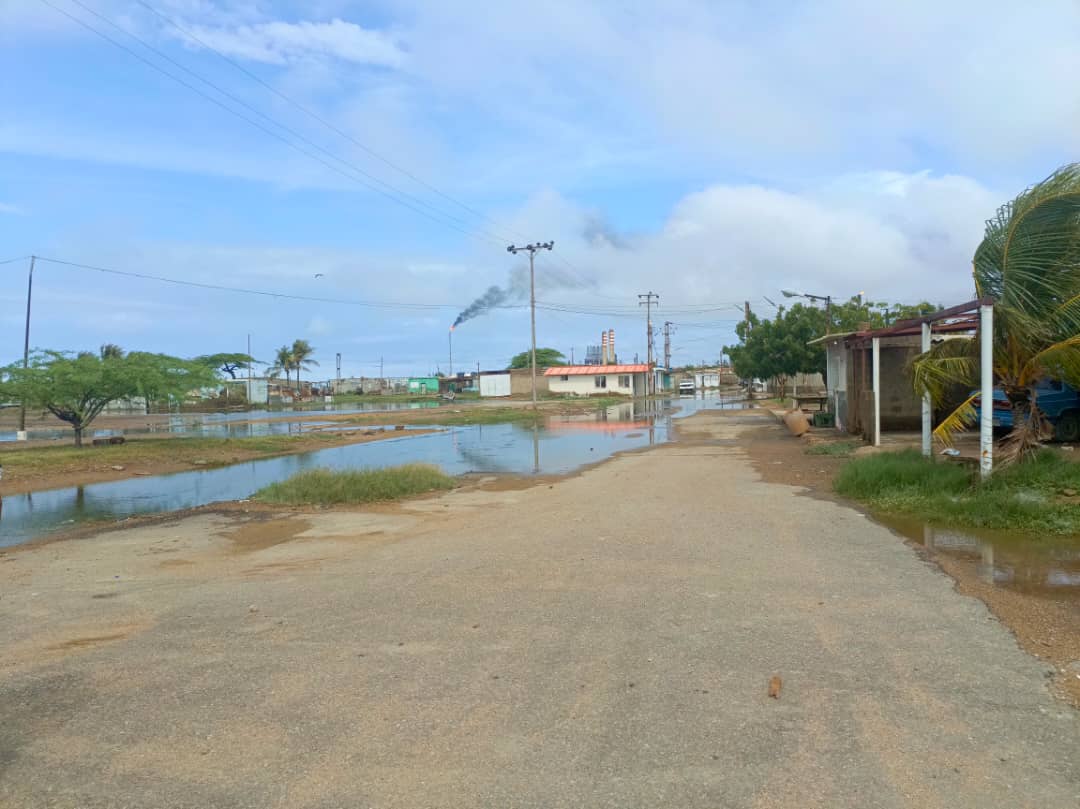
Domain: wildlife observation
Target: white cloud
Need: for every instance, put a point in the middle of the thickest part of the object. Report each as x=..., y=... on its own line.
x=282, y=43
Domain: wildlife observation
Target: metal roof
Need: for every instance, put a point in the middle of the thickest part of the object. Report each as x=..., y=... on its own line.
x=592, y=370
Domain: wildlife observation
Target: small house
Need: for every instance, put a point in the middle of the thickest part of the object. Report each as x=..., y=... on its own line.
x=593, y=380
x=421, y=385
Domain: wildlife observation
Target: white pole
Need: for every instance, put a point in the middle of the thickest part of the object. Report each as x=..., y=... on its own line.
x=877, y=391
x=927, y=412
x=986, y=425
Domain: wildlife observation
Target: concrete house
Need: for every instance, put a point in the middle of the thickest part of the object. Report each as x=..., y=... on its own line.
x=597, y=380
x=849, y=375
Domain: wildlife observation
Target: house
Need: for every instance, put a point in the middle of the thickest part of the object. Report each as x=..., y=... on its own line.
x=423, y=384
x=590, y=380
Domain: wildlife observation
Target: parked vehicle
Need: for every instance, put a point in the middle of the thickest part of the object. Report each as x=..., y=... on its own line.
x=1059, y=402
x=687, y=386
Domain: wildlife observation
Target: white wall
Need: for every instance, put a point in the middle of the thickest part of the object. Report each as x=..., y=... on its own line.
x=585, y=385
x=495, y=385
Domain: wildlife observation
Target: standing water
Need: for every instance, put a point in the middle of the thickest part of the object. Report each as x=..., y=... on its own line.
x=560, y=446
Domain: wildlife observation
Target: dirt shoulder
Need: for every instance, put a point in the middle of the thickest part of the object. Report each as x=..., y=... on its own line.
x=30, y=469
x=1046, y=628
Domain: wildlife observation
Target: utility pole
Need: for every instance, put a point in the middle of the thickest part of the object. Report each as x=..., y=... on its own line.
x=382, y=380
x=532, y=248
x=571, y=355
x=646, y=300
x=338, y=358
x=250, y=363
x=21, y=435
x=451, y=352
x=667, y=343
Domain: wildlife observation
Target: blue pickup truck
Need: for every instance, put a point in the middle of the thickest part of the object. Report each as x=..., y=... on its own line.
x=1060, y=403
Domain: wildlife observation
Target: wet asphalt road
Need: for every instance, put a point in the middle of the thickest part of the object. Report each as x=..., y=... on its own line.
x=603, y=642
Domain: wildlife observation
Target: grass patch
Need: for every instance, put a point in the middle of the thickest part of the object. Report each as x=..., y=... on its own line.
x=1030, y=497
x=326, y=487
x=838, y=449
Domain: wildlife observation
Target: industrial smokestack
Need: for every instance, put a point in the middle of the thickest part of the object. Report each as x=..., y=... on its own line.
x=611, y=345
x=603, y=348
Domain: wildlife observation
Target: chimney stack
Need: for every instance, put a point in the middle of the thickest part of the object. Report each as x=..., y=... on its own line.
x=603, y=348
x=611, y=346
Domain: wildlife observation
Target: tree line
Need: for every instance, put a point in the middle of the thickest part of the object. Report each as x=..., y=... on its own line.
x=77, y=386
x=780, y=348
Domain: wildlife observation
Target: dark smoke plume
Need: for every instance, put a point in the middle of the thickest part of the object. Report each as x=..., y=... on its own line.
x=495, y=296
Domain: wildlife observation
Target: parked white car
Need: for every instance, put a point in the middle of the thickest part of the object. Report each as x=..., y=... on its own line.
x=687, y=386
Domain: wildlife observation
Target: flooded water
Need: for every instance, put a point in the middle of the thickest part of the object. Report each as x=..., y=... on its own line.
x=237, y=424
x=560, y=446
x=1046, y=566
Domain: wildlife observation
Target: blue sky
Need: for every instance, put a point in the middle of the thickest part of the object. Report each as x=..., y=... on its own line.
x=713, y=152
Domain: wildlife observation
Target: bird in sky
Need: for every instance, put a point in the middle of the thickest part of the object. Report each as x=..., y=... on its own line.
x=318, y=275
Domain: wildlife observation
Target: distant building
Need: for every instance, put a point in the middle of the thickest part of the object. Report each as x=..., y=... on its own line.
x=423, y=384
x=593, y=380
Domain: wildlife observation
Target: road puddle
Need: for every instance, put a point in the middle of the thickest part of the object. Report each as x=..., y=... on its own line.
x=562, y=445
x=1047, y=567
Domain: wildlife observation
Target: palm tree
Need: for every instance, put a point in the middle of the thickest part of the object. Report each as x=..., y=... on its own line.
x=111, y=351
x=1029, y=264
x=301, y=358
x=283, y=362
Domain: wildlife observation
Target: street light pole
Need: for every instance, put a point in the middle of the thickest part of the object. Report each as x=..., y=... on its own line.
x=532, y=248
x=21, y=434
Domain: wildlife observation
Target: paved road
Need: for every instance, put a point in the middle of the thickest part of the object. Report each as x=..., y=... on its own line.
x=602, y=642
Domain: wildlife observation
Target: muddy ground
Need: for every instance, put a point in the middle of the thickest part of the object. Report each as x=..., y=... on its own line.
x=1047, y=627
x=148, y=457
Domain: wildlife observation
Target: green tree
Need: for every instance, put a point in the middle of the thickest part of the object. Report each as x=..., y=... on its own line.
x=111, y=351
x=227, y=363
x=779, y=348
x=1029, y=263
x=545, y=358
x=283, y=363
x=301, y=358
x=77, y=387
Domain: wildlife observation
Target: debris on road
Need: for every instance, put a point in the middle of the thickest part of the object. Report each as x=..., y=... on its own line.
x=774, y=686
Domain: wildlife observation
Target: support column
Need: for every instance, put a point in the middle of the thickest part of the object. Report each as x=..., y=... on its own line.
x=877, y=391
x=986, y=409
x=927, y=410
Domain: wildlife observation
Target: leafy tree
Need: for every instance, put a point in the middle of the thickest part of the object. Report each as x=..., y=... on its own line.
x=778, y=349
x=857, y=314
x=227, y=363
x=77, y=387
x=161, y=377
x=545, y=358
x=111, y=351
x=1029, y=263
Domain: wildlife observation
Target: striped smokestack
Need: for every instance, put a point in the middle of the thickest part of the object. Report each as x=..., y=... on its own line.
x=611, y=346
x=604, y=349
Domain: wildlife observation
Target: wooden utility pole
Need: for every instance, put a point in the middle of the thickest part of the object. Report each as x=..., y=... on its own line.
x=646, y=299
x=667, y=343
x=21, y=435
x=532, y=248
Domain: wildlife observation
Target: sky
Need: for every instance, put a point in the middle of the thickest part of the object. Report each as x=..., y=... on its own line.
x=375, y=159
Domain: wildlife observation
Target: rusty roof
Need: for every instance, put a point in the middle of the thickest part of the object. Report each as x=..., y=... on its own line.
x=592, y=370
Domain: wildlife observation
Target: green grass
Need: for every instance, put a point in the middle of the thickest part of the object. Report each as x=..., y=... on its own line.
x=1024, y=497
x=326, y=487
x=839, y=449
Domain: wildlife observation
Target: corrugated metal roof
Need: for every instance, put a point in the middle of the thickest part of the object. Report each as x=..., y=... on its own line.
x=593, y=370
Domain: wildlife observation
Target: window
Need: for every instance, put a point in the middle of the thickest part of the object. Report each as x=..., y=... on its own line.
x=600, y=381
x=624, y=381
x=564, y=378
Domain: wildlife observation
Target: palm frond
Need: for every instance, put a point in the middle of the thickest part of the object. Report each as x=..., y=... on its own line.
x=945, y=365
x=1060, y=360
x=959, y=420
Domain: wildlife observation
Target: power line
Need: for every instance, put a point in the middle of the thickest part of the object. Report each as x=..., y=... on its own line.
x=314, y=115
x=13, y=260
x=492, y=237
x=264, y=293
x=259, y=126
